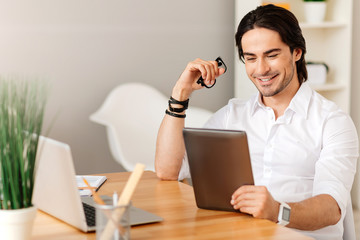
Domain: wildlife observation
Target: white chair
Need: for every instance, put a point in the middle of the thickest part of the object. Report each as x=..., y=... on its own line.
x=132, y=114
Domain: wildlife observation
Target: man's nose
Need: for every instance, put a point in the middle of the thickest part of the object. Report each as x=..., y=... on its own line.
x=262, y=67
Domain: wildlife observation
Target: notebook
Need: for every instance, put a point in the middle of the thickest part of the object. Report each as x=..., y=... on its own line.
x=219, y=163
x=94, y=181
x=56, y=191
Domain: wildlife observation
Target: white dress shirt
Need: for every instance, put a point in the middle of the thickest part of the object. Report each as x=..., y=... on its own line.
x=311, y=149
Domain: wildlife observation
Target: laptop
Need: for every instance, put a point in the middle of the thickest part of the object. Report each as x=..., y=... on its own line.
x=219, y=163
x=56, y=191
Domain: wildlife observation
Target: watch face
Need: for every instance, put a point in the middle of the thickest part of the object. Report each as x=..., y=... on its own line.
x=286, y=214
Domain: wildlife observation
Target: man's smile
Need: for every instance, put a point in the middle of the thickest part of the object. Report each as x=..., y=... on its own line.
x=266, y=79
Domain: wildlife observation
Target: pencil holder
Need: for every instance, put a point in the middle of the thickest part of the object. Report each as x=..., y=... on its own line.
x=112, y=222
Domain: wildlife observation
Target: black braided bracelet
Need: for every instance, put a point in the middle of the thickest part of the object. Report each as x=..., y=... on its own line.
x=175, y=114
x=185, y=105
x=178, y=110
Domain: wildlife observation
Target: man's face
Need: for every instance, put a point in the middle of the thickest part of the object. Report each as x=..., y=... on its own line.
x=268, y=61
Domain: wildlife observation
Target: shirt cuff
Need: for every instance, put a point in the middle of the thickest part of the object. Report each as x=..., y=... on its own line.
x=184, y=171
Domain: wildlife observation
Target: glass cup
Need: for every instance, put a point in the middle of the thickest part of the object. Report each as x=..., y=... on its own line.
x=112, y=222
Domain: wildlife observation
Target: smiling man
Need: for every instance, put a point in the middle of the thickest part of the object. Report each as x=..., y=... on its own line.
x=303, y=148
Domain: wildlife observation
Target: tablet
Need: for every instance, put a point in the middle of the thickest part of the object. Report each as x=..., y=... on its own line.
x=219, y=164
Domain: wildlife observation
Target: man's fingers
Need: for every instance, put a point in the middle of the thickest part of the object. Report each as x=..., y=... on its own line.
x=246, y=199
x=208, y=70
x=248, y=210
x=243, y=189
x=245, y=203
x=221, y=71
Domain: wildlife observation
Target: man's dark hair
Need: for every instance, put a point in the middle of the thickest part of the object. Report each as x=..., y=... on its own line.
x=280, y=20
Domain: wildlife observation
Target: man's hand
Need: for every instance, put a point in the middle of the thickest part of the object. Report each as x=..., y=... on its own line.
x=186, y=84
x=310, y=214
x=257, y=201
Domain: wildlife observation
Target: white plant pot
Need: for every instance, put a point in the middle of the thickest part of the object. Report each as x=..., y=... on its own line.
x=17, y=224
x=314, y=11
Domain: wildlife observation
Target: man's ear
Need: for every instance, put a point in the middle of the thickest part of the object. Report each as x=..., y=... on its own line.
x=297, y=53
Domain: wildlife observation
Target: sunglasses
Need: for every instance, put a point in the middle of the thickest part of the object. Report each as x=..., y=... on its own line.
x=221, y=64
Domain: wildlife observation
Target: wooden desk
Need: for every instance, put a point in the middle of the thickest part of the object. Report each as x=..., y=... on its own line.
x=175, y=202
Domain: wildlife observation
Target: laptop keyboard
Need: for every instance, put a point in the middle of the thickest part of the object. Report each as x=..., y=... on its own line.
x=89, y=214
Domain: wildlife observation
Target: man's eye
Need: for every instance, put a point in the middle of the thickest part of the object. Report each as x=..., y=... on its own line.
x=273, y=55
x=250, y=59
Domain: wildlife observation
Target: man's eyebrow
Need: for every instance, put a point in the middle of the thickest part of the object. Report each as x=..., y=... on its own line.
x=266, y=52
x=272, y=50
x=248, y=54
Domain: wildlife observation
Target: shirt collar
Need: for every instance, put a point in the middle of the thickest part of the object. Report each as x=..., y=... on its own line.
x=257, y=103
x=299, y=103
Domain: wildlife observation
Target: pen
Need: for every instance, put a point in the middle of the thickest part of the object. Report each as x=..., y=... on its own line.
x=115, y=198
x=96, y=197
x=83, y=188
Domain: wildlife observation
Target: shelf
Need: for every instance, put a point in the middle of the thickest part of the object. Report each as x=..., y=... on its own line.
x=327, y=87
x=327, y=24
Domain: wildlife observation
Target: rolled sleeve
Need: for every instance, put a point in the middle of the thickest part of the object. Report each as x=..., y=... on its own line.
x=336, y=167
x=184, y=171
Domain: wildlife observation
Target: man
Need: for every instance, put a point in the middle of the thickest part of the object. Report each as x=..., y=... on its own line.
x=303, y=147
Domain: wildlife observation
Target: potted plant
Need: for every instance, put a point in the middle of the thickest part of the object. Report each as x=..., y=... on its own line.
x=22, y=105
x=315, y=10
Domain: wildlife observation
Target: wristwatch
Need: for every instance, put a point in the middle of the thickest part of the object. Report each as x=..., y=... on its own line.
x=284, y=214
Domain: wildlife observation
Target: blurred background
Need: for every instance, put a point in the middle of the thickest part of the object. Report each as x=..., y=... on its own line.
x=85, y=48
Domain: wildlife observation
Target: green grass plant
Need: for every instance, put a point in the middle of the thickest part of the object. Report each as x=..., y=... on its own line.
x=22, y=105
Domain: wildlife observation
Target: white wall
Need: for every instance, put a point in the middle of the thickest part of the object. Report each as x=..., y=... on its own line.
x=87, y=47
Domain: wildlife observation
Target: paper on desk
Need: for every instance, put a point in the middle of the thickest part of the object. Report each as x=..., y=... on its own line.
x=94, y=181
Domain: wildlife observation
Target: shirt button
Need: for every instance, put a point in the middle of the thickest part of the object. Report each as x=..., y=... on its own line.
x=270, y=146
x=267, y=170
